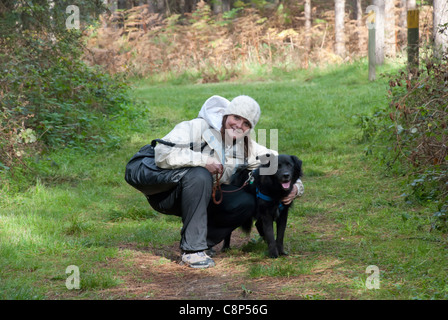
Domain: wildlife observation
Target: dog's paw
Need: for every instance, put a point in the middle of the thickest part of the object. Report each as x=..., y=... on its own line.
x=282, y=251
x=273, y=253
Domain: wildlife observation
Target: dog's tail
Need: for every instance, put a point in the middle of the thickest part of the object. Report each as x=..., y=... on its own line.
x=247, y=226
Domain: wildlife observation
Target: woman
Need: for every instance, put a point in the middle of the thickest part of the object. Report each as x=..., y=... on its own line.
x=195, y=153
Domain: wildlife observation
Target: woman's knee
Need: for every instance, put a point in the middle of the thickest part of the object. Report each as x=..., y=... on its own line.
x=198, y=177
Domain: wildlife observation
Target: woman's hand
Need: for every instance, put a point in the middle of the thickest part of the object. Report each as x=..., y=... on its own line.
x=291, y=196
x=213, y=166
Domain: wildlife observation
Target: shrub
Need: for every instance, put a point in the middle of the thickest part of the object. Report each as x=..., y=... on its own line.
x=49, y=98
x=412, y=131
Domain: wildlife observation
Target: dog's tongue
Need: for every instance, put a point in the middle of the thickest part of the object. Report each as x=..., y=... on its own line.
x=285, y=185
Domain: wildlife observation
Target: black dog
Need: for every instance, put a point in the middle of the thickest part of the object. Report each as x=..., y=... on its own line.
x=270, y=190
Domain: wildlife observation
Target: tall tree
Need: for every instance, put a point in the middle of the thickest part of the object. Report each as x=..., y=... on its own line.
x=217, y=6
x=339, y=27
x=226, y=4
x=402, y=24
x=307, y=25
x=121, y=4
x=379, y=31
x=440, y=29
x=357, y=5
x=389, y=28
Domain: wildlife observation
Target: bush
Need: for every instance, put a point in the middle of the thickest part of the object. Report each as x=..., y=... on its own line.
x=412, y=131
x=49, y=98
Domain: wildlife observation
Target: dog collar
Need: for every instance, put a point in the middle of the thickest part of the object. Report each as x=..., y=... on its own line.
x=263, y=196
x=266, y=198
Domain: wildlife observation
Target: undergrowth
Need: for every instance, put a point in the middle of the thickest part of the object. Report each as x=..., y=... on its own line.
x=409, y=136
x=49, y=98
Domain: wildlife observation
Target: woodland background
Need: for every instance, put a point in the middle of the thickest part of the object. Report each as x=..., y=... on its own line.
x=222, y=38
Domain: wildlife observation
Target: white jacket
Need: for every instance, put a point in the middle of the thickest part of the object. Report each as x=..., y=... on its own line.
x=204, y=133
x=200, y=133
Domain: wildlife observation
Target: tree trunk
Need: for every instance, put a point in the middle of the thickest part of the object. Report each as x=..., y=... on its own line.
x=403, y=24
x=152, y=6
x=225, y=5
x=308, y=26
x=339, y=47
x=440, y=32
x=389, y=28
x=379, y=31
x=161, y=8
x=121, y=4
x=50, y=9
x=359, y=24
x=217, y=6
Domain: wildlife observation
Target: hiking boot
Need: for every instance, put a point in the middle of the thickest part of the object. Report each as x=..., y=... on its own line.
x=210, y=252
x=197, y=260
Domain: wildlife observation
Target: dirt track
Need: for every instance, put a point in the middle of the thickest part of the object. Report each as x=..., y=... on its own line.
x=157, y=274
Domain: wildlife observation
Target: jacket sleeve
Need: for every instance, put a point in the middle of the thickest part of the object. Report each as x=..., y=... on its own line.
x=262, y=150
x=300, y=188
x=167, y=157
x=258, y=150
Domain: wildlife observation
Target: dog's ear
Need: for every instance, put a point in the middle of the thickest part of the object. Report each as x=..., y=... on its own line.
x=297, y=166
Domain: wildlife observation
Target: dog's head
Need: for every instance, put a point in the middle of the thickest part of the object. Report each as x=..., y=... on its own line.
x=288, y=169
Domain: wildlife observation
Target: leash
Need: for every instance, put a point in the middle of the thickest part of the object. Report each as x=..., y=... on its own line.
x=217, y=187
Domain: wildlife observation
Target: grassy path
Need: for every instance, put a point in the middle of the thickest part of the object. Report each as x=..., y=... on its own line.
x=82, y=213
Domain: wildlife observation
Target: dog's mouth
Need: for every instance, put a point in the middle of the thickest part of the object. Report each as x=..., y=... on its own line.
x=286, y=185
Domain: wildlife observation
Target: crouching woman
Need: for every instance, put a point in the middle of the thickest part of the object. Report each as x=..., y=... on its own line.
x=178, y=174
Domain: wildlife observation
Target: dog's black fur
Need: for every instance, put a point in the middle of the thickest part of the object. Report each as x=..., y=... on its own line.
x=276, y=187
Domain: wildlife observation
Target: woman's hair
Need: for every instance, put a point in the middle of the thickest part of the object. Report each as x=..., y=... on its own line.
x=246, y=138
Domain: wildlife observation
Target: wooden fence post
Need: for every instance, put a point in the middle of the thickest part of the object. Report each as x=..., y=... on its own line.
x=372, y=56
x=413, y=38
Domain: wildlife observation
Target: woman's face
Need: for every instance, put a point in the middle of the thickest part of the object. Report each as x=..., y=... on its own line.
x=236, y=127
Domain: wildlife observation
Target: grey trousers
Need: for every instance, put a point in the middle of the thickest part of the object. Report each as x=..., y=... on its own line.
x=205, y=224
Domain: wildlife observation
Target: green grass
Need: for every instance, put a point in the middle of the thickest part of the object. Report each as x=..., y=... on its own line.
x=81, y=211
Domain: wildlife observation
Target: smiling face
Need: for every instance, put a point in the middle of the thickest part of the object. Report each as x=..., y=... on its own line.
x=236, y=127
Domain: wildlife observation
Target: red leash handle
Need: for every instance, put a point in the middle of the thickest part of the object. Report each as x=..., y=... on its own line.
x=217, y=186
